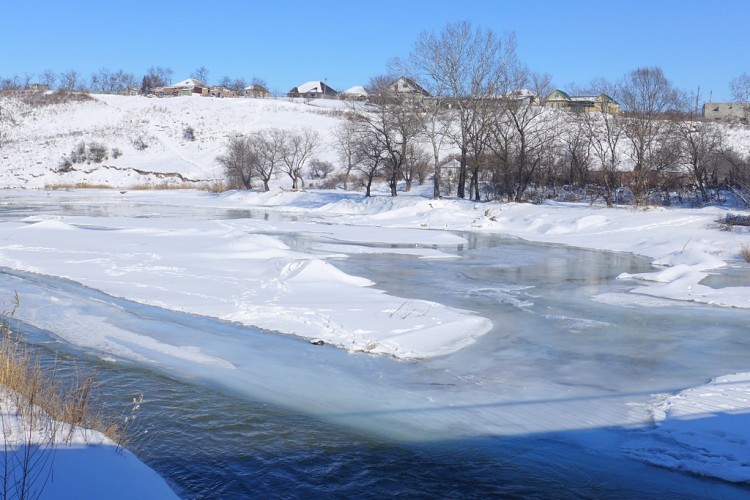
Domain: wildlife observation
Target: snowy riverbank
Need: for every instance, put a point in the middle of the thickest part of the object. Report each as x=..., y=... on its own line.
x=224, y=269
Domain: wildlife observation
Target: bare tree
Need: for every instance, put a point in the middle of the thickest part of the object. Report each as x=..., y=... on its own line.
x=10, y=83
x=260, y=87
x=416, y=163
x=346, y=145
x=238, y=85
x=156, y=76
x=478, y=133
x=435, y=122
x=391, y=119
x=462, y=64
x=109, y=82
x=26, y=81
x=605, y=131
x=700, y=146
x=740, y=89
x=739, y=173
x=320, y=169
x=70, y=81
x=576, y=144
x=371, y=155
x=297, y=148
x=521, y=135
x=225, y=82
x=647, y=96
x=201, y=74
x=270, y=144
x=240, y=161
x=48, y=78
x=540, y=85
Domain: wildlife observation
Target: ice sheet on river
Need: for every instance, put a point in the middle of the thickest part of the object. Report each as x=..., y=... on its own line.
x=702, y=430
x=224, y=269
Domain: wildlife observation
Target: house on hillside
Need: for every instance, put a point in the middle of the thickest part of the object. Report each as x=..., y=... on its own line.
x=256, y=90
x=188, y=87
x=726, y=111
x=221, y=91
x=406, y=85
x=356, y=93
x=602, y=102
x=39, y=87
x=129, y=91
x=523, y=96
x=313, y=90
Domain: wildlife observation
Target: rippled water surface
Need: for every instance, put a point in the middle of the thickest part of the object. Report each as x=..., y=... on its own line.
x=539, y=407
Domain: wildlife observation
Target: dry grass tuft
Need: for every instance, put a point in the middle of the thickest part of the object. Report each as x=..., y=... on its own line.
x=745, y=252
x=39, y=396
x=78, y=185
x=211, y=187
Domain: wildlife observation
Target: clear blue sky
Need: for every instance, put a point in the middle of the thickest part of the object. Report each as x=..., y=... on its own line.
x=696, y=42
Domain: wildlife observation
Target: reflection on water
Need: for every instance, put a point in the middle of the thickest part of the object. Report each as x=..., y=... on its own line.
x=555, y=357
x=737, y=274
x=210, y=443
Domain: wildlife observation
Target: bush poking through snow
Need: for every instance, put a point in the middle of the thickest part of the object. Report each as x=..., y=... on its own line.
x=65, y=165
x=737, y=220
x=93, y=152
x=97, y=152
x=320, y=169
x=78, y=155
x=188, y=134
x=745, y=252
x=139, y=143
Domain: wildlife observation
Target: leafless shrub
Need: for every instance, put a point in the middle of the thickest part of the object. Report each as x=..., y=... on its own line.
x=319, y=169
x=140, y=143
x=188, y=134
x=116, y=153
x=97, y=152
x=65, y=165
x=332, y=182
x=78, y=155
x=737, y=220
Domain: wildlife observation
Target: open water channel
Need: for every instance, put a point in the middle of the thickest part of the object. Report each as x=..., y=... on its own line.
x=542, y=406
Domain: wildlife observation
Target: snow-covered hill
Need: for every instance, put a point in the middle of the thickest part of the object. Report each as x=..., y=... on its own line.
x=149, y=134
x=146, y=142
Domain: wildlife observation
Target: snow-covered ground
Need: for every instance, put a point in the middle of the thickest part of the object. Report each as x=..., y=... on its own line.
x=224, y=269
x=67, y=463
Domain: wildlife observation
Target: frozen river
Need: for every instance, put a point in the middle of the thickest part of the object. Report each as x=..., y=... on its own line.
x=548, y=403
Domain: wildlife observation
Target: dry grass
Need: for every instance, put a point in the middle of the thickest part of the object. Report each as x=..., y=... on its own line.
x=78, y=185
x=39, y=396
x=211, y=187
x=39, y=99
x=745, y=252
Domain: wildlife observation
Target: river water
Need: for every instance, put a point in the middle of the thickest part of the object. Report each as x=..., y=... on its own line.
x=542, y=406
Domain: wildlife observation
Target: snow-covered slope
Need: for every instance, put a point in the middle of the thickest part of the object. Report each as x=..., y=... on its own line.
x=149, y=133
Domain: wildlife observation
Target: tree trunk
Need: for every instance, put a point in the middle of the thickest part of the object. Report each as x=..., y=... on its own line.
x=461, y=190
x=436, y=184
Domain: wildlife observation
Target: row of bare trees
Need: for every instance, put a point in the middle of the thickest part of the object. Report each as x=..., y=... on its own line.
x=262, y=154
x=484, y=106
x=106, y=81
x=512, y=148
